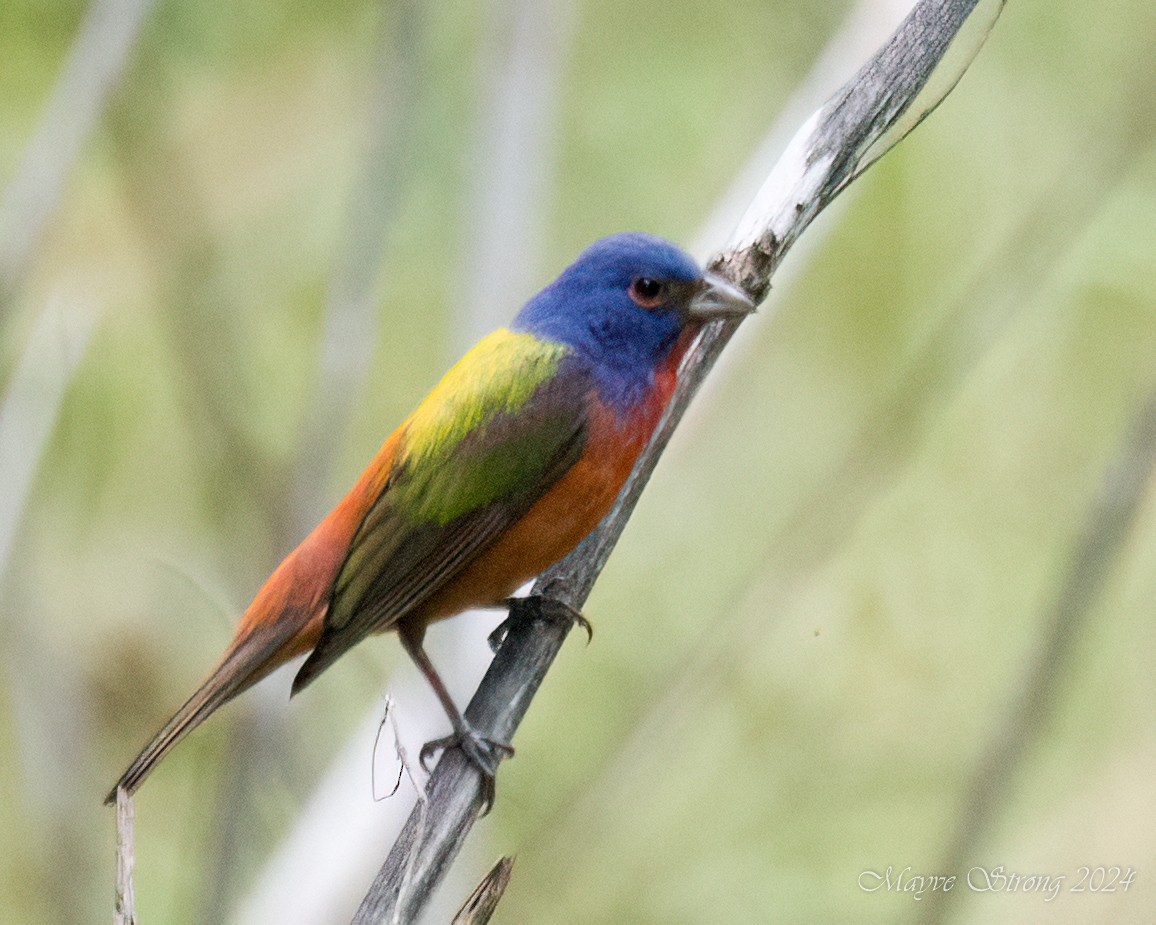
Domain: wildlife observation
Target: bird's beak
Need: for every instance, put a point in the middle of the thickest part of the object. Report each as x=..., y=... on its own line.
x=718, y=298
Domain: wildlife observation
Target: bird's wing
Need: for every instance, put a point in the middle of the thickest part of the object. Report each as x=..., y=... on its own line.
x=503, y=426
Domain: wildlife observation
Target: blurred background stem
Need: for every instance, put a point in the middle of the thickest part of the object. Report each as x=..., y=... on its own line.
x=87, y=77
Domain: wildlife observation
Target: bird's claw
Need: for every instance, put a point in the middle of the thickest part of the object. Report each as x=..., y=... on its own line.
x=539, y=606
x=484, y=754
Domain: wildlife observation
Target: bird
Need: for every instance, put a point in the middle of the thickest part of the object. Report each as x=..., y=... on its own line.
x=500, y=471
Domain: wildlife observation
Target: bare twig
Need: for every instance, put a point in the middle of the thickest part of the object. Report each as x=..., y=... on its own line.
x=835, y=146
x=480, y=904
x=125, y=909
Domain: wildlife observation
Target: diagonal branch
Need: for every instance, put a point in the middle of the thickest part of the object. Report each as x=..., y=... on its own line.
x=861, y=122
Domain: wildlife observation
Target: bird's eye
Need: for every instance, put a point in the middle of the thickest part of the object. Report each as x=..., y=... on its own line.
x=647, y=292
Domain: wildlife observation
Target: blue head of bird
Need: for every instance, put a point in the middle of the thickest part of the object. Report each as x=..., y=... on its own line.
x=622, y=305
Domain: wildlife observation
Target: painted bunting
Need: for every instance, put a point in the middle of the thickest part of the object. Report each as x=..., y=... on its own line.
x=502, y=469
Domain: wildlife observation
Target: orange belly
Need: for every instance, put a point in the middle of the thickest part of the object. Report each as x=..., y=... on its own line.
x=550, y=529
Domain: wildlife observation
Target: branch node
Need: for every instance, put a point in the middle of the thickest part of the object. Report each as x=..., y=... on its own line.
x=750, y=268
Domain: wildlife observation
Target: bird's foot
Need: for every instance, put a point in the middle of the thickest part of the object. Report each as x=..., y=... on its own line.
x=538, y=607
x=484, y=754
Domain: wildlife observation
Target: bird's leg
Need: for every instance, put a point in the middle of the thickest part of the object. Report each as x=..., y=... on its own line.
x=483, y=753
x=538, y=607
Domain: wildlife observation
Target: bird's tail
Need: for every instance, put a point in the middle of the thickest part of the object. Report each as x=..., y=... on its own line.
x=247, y=661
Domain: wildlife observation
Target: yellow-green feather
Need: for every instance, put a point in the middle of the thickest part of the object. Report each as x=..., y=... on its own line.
x=498, y=376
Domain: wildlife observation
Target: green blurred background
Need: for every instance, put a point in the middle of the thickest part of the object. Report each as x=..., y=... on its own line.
x=286, y=220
